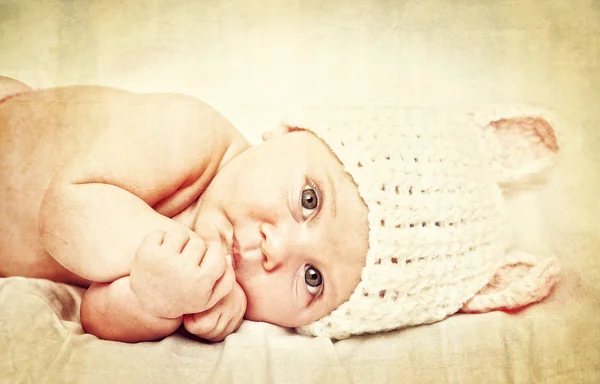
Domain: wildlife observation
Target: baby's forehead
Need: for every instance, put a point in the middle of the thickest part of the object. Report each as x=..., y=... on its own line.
x=301, y=148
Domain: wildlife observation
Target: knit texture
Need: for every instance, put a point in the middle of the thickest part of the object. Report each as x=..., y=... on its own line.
x=438, y=233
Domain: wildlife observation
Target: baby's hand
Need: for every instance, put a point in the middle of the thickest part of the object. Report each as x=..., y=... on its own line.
x=221, y=320
x=173, y=274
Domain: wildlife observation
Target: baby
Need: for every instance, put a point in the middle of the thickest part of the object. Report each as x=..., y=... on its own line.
x=336, y=226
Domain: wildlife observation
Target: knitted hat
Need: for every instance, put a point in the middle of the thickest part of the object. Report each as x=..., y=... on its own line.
x=438, y=235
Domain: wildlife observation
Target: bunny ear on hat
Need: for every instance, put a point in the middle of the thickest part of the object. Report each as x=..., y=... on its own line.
x=520, y=145
x=519, y=148
x=521, y=280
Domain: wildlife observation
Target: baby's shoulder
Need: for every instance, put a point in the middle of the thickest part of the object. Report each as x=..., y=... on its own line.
x=191, y=129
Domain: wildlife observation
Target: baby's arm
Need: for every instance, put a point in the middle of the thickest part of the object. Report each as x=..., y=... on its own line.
x=172, y=274
x=158, y=157
x=111, y=311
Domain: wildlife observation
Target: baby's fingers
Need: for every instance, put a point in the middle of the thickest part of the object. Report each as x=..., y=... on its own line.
x=213, y=325
x=213, y=263
x=194, y=250
x=201, y=324
x=176, y=240
x=225, y=327
x=153, y=238
x=223, y=286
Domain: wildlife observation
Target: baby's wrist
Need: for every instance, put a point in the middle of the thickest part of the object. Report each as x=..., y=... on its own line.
x=163, y=311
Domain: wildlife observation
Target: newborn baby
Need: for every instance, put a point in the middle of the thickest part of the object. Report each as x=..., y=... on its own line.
x=145, y=196
x=335, y=225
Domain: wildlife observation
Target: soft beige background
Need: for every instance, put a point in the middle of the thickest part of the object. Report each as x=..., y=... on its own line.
x=254, y=59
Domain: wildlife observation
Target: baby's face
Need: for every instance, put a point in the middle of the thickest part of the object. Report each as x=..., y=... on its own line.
x=297, y=226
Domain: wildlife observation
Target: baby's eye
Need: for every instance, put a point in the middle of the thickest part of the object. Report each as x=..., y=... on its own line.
x=313, y=279
x=309, y=200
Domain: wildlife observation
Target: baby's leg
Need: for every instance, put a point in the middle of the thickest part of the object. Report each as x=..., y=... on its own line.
x=9, y=87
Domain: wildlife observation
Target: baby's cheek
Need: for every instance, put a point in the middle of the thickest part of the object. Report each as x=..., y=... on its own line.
x=247, y=291
x=259, y=307
x=253, y=311
x=268, y=301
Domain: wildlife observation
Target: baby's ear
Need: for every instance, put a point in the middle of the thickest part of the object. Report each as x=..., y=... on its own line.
x=519, y=148
x=282, y=129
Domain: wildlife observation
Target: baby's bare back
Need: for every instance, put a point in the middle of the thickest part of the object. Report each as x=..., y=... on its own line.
x=39, y=132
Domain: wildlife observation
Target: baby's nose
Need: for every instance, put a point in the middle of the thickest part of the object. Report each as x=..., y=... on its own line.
x=275, y=246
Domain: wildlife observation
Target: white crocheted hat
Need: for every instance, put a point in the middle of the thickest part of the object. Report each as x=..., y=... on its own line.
x=438, y=236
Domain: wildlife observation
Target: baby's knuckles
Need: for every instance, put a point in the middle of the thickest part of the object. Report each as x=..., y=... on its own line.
x=176, y=276
x=200, y=293
x=213, y=264
x=201, y=324
x=158, y=277
x=221, y=320
x=200, y=282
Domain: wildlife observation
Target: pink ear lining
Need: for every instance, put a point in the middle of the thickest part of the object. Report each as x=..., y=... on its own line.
x=530, y=125
x=520, y=281
x=519, y=148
